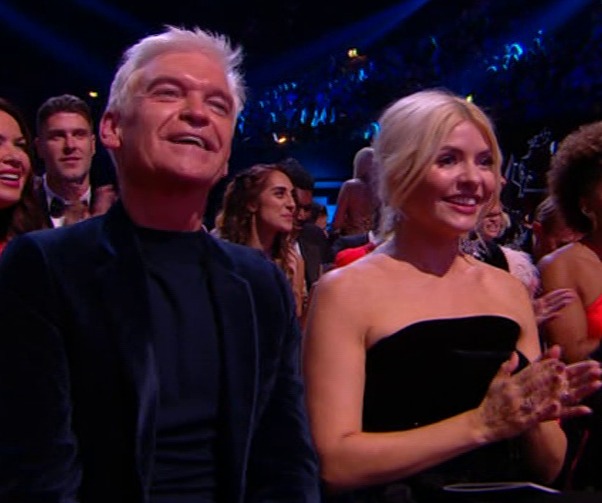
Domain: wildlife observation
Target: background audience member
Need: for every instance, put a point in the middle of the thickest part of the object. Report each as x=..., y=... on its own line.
x=575, y=183
x=319, y=216
x=412, y=354
x=482, y=242
x=19, y=211
x=344, y=243
x=485, y=246
x=308, y=238
x=348, y=255
x=258, y=211
x=66, y=145
x=347, y=249
x=549, y=230
x=357, y=204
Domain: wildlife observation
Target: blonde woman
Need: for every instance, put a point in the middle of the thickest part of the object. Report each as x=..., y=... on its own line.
x=422, y=364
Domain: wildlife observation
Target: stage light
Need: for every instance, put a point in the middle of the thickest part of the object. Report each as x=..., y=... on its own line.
x=93, y=94
x=280, y=139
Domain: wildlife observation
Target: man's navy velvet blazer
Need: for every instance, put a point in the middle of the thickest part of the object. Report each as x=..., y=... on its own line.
x=78, y=388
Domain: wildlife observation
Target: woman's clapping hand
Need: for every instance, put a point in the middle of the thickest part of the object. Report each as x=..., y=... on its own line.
x=547, y=389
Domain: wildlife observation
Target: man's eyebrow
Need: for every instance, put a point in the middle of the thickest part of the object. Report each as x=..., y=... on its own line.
x=186, y=83
x=163, y=79
x=63, y=130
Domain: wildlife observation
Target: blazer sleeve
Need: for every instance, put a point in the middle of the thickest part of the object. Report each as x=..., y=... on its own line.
x=38, y=460
x=283, y=465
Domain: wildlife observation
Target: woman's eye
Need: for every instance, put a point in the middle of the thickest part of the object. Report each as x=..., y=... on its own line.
x=446, y=160
x=486, y=161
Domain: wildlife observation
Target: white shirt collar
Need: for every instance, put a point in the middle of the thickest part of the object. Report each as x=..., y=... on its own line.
x=50, y=195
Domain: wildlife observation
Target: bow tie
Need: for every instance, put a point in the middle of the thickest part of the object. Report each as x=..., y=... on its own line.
x=58, y=207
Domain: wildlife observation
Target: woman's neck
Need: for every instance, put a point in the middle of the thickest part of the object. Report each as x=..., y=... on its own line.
x=431, y=254
x=594, y=243
x=263, y=240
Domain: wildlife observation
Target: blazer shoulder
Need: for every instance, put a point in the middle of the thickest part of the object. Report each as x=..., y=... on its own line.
x=239, y=256
x=248, y=263
x=82, y=232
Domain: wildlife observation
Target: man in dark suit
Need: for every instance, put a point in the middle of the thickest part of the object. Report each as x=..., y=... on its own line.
x=312, y=243
x=141, y=360
x=66, y=144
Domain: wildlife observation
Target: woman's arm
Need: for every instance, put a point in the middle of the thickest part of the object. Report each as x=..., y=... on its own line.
x=569, y=327
x=334, y=360
x=544, y=444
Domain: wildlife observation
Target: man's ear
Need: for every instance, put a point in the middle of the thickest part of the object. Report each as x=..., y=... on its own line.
x=225, y=168
x=109, y=131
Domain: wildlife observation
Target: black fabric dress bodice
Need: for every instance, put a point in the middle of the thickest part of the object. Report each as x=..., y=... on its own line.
x=432, y=370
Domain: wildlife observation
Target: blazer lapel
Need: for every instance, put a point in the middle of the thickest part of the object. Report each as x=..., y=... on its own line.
x=122, y=279
x=235, y=316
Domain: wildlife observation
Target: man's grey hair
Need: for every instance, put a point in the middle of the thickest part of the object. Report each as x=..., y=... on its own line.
x=175, y=39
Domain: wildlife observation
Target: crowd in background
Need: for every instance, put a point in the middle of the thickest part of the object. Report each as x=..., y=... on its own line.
x=539, y=72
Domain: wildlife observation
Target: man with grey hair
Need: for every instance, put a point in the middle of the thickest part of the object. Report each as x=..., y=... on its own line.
x=141, y=360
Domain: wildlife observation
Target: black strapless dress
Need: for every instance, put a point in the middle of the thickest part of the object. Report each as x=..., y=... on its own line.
x=430, y=371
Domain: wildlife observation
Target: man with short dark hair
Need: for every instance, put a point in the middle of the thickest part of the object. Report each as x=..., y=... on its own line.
x=66, y=144
x=313, y=245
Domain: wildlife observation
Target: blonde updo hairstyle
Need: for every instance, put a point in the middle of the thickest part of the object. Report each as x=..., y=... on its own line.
x=412, y=131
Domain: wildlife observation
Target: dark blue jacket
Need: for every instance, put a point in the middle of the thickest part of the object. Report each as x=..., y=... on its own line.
x=78, y=385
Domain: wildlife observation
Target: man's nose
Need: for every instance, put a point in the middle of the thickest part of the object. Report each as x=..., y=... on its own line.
x=70, y=142
x=195, y=110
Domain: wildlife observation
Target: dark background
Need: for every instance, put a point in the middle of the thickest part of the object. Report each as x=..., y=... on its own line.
x=51, y=47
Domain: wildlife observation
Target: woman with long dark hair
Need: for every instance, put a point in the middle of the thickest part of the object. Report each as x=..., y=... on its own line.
x=19, y=211
x=258, y=211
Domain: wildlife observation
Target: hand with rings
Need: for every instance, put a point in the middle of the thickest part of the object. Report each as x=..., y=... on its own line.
x=546, y=389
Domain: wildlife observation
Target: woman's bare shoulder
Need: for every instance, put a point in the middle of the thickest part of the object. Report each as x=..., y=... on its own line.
x=563, y=256
x=363, y=271
x=488, y=275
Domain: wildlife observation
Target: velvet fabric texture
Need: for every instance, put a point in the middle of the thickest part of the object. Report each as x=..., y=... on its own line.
x=78, y=383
